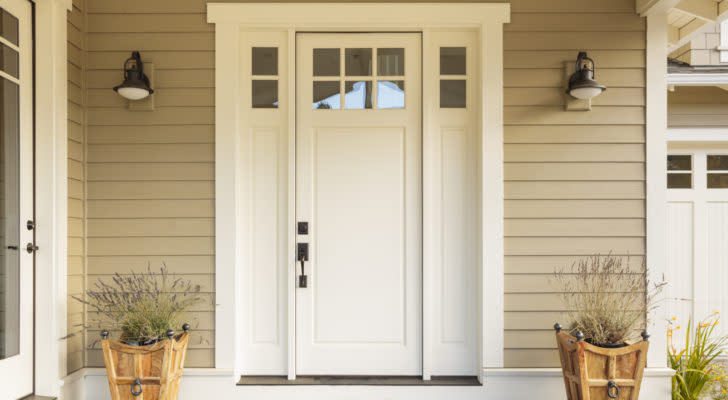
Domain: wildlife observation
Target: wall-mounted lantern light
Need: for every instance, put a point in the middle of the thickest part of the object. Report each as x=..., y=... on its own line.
x=582, y=84
x=136, y=83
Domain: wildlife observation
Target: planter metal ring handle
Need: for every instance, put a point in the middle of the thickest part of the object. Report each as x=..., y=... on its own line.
x=612, y=390
x=137, y=383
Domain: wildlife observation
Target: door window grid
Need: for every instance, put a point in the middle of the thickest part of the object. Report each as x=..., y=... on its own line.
x=717, y=166
x=264, y=72
x=10, y=185
x=9, y=47
x=680, y=171
x=453, y=77
x=371, y=91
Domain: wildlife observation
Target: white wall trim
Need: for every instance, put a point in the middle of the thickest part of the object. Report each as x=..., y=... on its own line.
x=231, y=18
x=698, y=134
x=544, y=384
x=556, y=372
x=697, y=79
x=492, y=187
x=723, y=47
x=83, y=372
x=51, y=127
x=656, y=118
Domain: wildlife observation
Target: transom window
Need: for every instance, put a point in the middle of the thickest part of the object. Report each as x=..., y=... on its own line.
x=679, y=171
x=358, y=78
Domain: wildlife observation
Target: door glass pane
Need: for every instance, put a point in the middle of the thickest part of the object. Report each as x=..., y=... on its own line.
x=679, y=181
x=717, y=181
x=265, y=94
x=717, y=162
x=326, y=95
x=390, y=62
x=390, y=94
x=452, y=60
x=358, y=62
x=452, y=93
x=679, y=163
x=265, y=61
x=358, y=95
x=9, y=60
x=9, y=27
x=9, y=221
x=326, y=62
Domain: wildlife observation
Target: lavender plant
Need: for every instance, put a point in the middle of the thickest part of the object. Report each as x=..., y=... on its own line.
x=143, y=306
x=606, y=299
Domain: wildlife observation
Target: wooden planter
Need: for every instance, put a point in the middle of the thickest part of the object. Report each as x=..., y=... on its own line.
x=148, y=372
x=598, y=373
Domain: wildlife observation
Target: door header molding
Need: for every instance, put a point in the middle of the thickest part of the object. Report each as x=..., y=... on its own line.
x=357, y=16
x=286, y=19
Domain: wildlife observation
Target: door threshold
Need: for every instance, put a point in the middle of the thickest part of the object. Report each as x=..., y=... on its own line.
x=358, y=381
x=34, y=397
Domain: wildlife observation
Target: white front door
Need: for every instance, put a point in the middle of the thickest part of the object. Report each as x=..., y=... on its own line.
x=16, y=199
x=359, y=187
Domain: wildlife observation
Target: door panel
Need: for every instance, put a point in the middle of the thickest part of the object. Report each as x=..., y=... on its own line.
x=16, y=199
x=358, y=185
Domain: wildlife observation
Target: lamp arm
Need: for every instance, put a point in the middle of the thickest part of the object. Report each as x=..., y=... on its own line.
x=581, y=58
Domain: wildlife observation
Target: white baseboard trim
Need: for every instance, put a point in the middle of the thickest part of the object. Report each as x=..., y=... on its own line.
x=505, y=383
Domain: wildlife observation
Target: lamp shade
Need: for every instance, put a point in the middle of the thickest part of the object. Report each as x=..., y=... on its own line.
x=136, y=83
x=582, y=84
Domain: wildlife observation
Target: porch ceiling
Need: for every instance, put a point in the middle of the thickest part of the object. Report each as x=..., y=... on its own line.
x=691, y=17
x=685, y=18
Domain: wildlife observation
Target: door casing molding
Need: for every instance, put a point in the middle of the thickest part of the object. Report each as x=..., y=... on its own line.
x=51, y=149
x=230, y=20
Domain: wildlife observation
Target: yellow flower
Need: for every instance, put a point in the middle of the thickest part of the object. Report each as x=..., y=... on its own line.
x=716, y=312
x=723, y=391
x=678, y=327
x=673, y=318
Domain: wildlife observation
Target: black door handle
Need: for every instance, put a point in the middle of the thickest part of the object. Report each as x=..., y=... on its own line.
x=302, y=279
x=12, y=247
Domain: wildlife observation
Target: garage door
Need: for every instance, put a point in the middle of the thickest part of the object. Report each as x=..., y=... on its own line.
x=697, y=231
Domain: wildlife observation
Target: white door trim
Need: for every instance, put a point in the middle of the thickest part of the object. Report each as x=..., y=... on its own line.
x=231, y=19
x=51, y=125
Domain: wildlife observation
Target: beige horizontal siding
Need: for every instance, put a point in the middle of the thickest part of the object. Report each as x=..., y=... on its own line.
x=574, y=181
x=76, y=186
x=150, y=193
x=697, y=106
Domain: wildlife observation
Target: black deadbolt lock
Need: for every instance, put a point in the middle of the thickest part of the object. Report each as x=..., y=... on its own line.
x=302, y=228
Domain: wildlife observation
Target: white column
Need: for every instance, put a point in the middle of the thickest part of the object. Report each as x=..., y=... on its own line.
x=656, y=140
x=51, y=193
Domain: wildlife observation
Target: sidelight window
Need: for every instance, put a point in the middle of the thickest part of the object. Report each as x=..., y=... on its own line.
x=265, y=77
x=453, y=77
